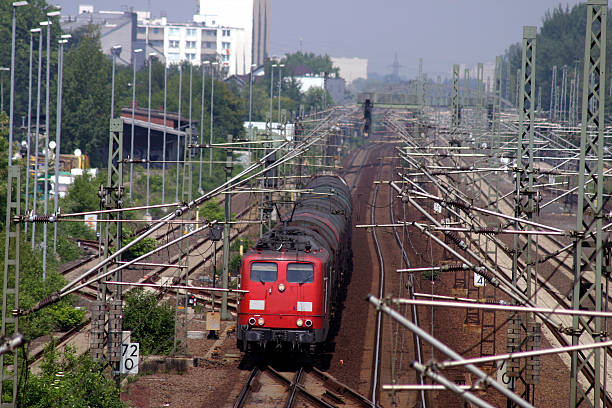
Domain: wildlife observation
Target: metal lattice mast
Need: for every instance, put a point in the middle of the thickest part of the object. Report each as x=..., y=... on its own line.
x=563, y=104
x=497, y=94
x=225, y=315
x=181, y=318
x=589, y=245
x=106, y=324
x=480, y=94
x=526, y=204
x=553, y=97
x=10, y=290
x=488, y=345
x=455, y=99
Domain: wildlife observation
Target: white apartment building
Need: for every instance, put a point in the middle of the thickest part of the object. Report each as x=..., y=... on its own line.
x=195, y=42
x=253, y=16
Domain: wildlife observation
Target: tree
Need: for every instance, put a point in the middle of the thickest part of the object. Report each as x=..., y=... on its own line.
x=560, y=42
x=69, y=380
x=86, y=102
x=317, y=63
x=151, y=323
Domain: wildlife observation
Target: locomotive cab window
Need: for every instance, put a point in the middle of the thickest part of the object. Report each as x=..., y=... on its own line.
x=264, y=272
x=300, y=272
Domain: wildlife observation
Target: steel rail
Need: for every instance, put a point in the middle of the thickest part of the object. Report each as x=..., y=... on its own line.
x=483, y=377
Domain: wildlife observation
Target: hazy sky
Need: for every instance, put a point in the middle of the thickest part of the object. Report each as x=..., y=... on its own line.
x=443, y=32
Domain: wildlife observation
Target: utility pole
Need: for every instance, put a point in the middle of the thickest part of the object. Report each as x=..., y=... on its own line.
x=553, y=93
x=225, y=315
x=178, y=134
x=589, y=244
x=455, y=100
x=9, y=373
x=526, y=205
x=106, y=323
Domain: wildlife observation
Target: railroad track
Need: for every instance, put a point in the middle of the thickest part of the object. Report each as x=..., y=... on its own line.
x=381, y=291
x=543, y=282
x=90, y=292
x=305, y=387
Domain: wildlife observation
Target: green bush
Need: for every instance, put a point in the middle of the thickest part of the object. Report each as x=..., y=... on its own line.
x=140, y=248
x=234, y=264
x=66, y=317
x=431, y=275
x=151, y=323
x=69, y=380
x=212, y=211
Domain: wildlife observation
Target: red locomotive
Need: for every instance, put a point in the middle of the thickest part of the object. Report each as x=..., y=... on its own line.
x=296, y=273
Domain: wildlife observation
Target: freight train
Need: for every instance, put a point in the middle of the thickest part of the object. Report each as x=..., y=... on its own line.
x=296, y=273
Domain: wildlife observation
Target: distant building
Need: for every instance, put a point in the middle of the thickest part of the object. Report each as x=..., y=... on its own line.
x=195, y=43
x=252, y=16
x=174, y=128
x=336, y=87
x=351, y=68
x=116, y=28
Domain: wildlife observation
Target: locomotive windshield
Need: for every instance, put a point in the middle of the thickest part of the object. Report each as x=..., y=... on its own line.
x=264, y=272
x=300, y=273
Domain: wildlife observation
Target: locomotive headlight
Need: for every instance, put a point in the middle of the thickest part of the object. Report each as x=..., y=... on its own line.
x=281, y=287
x=252, y=321
x=299, y=322
x=260, y=321
x=308, y=323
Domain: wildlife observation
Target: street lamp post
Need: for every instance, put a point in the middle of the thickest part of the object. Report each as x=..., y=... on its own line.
x=115, y=52
x=47, y=129
x=280, y=85
x=58, y=130
x=133, y=108
x=147, y=214
x=12, y=103
x=212, y=105
x=178, y=133
x=204, y=64
x=164, y=137
x=271, y=90
x=29, y=131
x=58, y=138
x=39, y=84
x=251, y=107
x=187, y=142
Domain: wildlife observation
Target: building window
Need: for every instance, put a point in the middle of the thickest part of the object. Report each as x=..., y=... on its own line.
x=141, y=30
x=226, y=45
x=190, y=56
x=190, y=44
x=225, y=58
x=225, y=33
x=173, y=56
x=173, y=43
x=156, y=30
x=209, y=44
x=173, y=31
x=191, y=32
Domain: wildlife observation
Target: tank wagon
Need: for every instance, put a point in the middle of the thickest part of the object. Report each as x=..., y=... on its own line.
x=296, y=273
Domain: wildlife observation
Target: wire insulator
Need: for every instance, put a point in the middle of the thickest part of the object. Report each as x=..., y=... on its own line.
x=487, y=230
x=458, y=204
x=454, y=267
x=489, y=277
x=455, y=238
x=41, y=218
